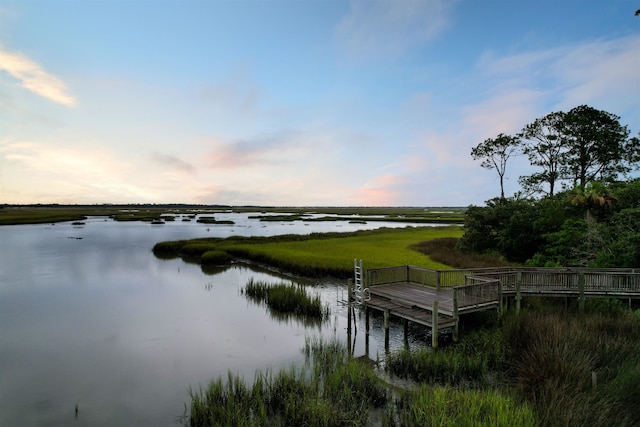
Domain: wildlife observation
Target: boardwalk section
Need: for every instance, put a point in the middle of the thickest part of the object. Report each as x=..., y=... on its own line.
x=437, y=298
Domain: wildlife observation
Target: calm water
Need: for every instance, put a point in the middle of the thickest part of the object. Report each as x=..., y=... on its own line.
x=89, y=316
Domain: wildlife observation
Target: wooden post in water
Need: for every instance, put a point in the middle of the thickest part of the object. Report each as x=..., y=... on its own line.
x=349, y=301
x=406, y=333
x=434, y=323
x=366, y=320
x=366, y=329
x=349, y=312
x=581, y=298
x=386, y=329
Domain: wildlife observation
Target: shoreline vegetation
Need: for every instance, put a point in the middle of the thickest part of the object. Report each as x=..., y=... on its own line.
x=549, y=365
x=43, y=214
x=327, y=254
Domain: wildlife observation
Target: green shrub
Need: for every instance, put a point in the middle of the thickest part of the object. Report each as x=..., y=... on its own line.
x=215, y=258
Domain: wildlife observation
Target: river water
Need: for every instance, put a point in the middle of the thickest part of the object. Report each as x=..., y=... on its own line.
x=90, y=317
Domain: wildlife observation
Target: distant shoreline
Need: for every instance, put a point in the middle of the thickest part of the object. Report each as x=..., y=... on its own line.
x=52, y=213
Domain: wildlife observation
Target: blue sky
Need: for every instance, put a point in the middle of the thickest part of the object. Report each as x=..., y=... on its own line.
x=294, y=102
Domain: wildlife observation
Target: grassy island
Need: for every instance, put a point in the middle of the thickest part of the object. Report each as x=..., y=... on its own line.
x=320, y=254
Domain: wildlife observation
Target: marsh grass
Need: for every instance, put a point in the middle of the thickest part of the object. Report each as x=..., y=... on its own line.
x=321, y=254
x=213, y=220
x=549, y=358
x=446, y=406
x=468, y=363
x=215, y=258
x=287, y=298
x=535, y=369
x=331, y=389
x=36, y=214
x=332, y=254
x=555, y=354
x=328, y=390
x=15, y=216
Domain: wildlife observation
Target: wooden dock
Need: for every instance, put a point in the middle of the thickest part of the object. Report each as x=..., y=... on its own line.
x=437, y=298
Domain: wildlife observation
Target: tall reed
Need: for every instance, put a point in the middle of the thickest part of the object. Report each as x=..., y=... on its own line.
x=445, y=406
x=577, y=369
x=467, y=363
x=330, y=390
x=287, y=298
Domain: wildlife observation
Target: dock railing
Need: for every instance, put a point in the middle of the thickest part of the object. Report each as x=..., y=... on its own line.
x=493, y=283
x=559, y=281
x=484, y=288
x=425, y=276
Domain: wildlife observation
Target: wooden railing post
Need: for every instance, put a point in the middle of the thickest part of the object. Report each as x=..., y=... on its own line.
x=518, y=285
x=438, y=279
x=581, y=298
x=500, y=308
x=455, y=315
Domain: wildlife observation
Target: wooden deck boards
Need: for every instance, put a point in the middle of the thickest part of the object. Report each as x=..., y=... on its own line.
x=412, y=313
x=415, y=295
x=422, y=297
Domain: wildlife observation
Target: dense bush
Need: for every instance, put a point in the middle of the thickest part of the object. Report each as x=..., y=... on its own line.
x=596, y=226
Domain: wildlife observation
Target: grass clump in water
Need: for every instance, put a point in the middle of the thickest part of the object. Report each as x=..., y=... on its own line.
x=468, y=363
x=287, y=298
x=329, y=390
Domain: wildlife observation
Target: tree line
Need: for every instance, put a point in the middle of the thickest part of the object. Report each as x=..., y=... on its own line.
x=577, y=208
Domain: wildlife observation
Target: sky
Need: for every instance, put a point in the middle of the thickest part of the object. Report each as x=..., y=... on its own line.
x=294, y=102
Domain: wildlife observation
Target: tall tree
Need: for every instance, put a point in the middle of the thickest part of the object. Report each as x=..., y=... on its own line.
x=544, y=143
x=598, y=147
x=495, y=153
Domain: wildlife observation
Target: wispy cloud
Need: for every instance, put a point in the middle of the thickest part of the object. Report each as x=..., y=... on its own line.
x=382, y=29
x=270, y=149
x=602, y=72
x=505, y=111
x=34, y=78
x=173, y=162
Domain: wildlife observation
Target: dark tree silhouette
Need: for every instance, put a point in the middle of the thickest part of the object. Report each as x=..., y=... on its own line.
x=495, y=153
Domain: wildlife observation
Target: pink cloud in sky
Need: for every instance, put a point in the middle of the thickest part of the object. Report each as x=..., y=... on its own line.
x=379, y=191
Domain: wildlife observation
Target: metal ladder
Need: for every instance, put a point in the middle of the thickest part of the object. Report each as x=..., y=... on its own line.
x=360, y=293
